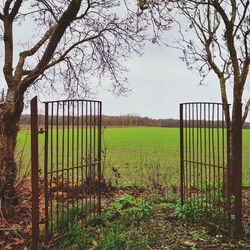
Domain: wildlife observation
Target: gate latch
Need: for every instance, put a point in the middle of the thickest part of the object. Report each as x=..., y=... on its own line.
x=41, y=131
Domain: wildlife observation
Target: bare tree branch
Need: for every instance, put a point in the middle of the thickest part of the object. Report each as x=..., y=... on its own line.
x=23, y=55
x=58, y=31
x=15, y=9
x=7, y=7
x=246, y=111
x=221, y=42
x=242, y=18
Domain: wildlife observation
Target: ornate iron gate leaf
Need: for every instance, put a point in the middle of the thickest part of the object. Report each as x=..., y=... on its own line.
x=72, y=162
x=205, y=173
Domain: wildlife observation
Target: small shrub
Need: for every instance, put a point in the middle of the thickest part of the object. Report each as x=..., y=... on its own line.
x=182, y=211
x=132, y=209
x=123, y=202
x=141, y=210
x=154, y=198
x=198, y=211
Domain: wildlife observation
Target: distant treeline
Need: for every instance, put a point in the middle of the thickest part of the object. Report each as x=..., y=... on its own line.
x=122, y=121
x=113, y=121
x=129, y=120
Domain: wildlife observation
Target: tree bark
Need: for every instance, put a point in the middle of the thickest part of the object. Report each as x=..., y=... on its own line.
x=9, y=119
x=236, y=163
x=12, y=107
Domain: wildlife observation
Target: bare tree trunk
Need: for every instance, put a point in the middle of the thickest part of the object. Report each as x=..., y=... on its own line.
x=227, y=175
x=9, y=118
x=235, y=143
x=236, y=163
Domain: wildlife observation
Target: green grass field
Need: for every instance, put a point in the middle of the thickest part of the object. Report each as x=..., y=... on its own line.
x=136, y=155
x=143, y=153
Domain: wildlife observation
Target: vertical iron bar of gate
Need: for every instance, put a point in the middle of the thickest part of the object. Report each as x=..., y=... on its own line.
x=181, y=153
x=99, y=205
x=46, y=121
x=34, y=171
x=228, y=174
x=238, y=175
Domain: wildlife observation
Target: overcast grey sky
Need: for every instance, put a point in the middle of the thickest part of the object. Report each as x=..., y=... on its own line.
x=159, y=81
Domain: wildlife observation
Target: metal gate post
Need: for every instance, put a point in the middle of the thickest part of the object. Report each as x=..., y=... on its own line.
x=34, y=174
x=46, y=171
x=99, y=205
x=181, y=154
x=229, y=171
x=238, y=175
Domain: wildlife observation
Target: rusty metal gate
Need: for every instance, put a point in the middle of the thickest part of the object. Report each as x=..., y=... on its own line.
x=71, y=134
x=205, y=173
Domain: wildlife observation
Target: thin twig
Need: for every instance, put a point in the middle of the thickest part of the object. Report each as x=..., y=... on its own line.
x=10, y=228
